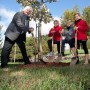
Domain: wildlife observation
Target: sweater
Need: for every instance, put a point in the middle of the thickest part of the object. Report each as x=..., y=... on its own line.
x=82, y=29
x=56, y=35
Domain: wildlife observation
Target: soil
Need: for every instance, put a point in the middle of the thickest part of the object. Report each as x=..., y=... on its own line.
x=45, y=64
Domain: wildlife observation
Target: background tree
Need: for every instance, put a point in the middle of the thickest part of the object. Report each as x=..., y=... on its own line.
x=69, y=14
x=86, y=16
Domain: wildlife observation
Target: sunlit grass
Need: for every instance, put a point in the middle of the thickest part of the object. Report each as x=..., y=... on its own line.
x=45, y=78
x=49, y=78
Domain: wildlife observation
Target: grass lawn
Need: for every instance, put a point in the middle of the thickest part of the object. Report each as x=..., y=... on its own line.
x=45, y=78
x=79, y=51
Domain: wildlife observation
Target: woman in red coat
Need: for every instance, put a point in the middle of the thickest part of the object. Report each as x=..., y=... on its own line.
x=55, y=34
x=81, y=28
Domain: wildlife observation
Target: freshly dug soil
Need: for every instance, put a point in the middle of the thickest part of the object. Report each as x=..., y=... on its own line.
x=46, y=64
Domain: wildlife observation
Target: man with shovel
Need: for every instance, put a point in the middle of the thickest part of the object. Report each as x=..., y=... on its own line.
x=16, y=33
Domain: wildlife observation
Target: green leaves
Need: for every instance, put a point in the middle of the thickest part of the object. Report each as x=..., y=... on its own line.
x=86, y=15
x=40, y=11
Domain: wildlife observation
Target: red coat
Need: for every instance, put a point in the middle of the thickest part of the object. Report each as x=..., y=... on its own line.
x=82, y=29
x=56, y=35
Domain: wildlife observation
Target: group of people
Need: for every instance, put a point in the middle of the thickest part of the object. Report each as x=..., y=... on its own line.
x=16, y=33
x=76, y=32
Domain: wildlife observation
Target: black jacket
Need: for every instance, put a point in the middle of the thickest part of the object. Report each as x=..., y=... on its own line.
x=69, y=34
x=17, y=28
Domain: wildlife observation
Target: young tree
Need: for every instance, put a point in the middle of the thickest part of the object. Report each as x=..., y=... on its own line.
x=40, y=11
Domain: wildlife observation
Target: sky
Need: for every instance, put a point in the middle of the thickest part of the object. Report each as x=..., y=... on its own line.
x=9, y=7
x=58, y=8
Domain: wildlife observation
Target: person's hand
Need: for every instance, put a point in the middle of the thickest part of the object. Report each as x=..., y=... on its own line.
x=75, y=28
x=61, y=31
x=31, y=29
x=53, y=31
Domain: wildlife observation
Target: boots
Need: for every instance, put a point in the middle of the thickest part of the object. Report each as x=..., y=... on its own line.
x=77, y=60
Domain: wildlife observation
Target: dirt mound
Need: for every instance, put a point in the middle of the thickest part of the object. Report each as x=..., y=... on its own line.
x=47, y=64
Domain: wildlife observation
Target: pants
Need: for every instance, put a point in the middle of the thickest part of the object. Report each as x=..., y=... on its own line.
x=7, y=49
x=71, y=43
x=84, y=45
x=55, y=42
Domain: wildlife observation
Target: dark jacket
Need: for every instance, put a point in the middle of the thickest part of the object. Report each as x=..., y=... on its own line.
x=17, y=28
x=69, y=34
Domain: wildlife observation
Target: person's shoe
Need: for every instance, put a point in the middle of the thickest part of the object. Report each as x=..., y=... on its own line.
x=77, y=60
x=3, y=65
x=50, y=54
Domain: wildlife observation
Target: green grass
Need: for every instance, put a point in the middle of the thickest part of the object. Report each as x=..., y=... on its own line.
x=80, y=51
x=49, y=78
